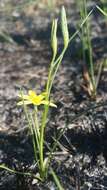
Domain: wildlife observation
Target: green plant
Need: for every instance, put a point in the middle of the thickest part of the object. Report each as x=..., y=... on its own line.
x=36, y=126
x=87, y=51
x=91, y=80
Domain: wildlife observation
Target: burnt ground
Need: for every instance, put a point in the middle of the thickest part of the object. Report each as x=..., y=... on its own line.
x=80, y=161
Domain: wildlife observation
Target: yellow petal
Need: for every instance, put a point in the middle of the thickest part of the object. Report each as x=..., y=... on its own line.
x=32, y=93
x=48, y=103
x=20, y=103
x=53, y=105
x=40, y=97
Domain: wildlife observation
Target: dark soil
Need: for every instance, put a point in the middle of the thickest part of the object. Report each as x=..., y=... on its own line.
x=80, y=161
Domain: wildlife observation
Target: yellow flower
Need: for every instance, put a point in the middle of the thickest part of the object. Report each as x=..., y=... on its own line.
x=33, y=98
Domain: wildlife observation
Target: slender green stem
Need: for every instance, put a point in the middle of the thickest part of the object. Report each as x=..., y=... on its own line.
x=56, y=65
x=102, y=11
x=42, y=141
x=104, y=5
x=80, y=5
x=36, y=121
x=92, y=75
x=35, y=134
x=49, y=77
x=43, y=124
x=99, y=72
x=81, y=25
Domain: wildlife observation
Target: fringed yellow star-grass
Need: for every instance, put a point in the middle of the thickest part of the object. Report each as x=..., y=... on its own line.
x=33, y=98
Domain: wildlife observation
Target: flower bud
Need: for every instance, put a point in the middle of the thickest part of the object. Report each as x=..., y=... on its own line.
x=54, y=36
x=64, y=27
